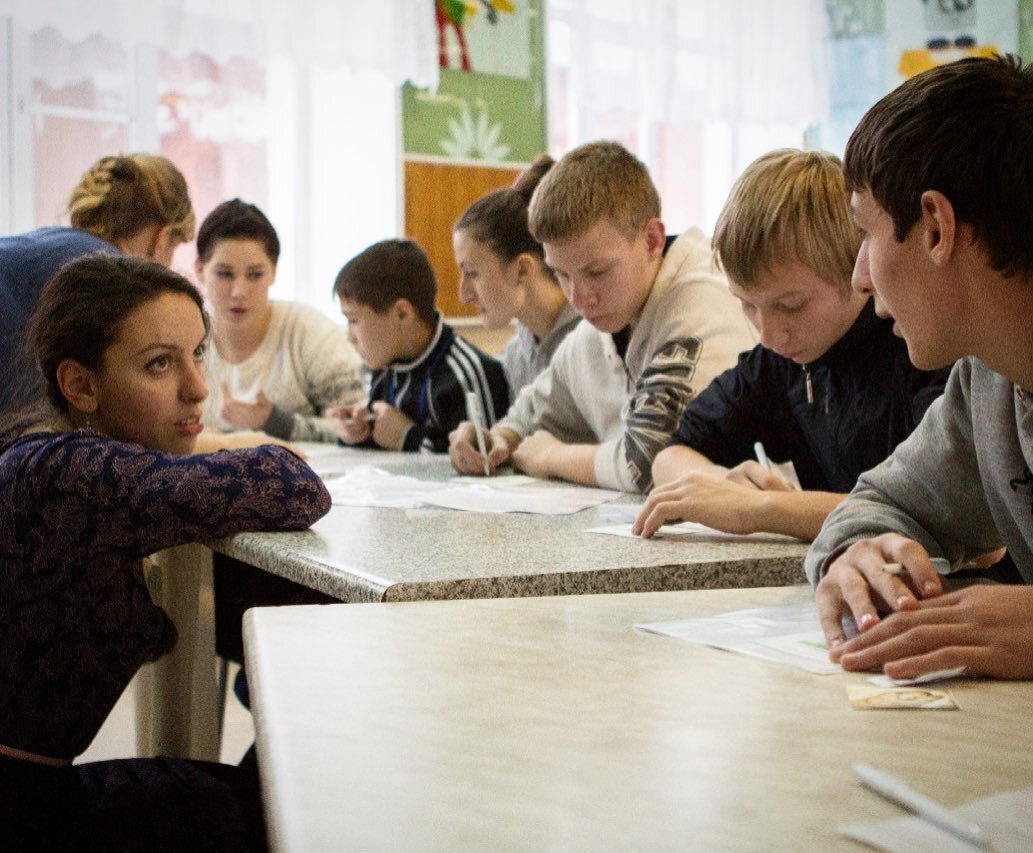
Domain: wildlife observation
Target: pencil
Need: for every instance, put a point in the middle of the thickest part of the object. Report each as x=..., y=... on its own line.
x=897, y=791
x=473, y=412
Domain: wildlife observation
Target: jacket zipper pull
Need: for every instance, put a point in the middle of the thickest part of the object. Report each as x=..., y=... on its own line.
x=810, y=385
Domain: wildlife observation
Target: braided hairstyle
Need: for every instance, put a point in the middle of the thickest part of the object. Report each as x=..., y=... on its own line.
x=118, y=196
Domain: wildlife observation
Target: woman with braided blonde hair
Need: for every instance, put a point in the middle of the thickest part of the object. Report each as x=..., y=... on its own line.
x=133, y=204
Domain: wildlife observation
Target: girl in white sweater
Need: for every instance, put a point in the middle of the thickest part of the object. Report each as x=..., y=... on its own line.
x=273, y=366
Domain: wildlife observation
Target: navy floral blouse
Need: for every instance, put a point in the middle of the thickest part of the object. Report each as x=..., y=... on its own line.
x=78, y=512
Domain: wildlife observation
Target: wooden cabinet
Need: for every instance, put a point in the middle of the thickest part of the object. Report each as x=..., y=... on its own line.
x=436, y=194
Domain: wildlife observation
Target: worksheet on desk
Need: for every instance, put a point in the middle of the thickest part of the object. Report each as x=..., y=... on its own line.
x=691, y=531
x=545, y=500
x=367, y=485
x=789, y=635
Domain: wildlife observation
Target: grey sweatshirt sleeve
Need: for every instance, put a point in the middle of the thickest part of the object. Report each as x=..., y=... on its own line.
x=928, y=490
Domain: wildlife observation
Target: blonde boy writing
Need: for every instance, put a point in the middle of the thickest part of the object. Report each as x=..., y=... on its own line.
x=829, y=388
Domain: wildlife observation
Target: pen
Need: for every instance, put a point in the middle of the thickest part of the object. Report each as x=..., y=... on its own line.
x=363, y=416
x=761, y=454
x=942, y=566
x=897, y=791
x=473, y=412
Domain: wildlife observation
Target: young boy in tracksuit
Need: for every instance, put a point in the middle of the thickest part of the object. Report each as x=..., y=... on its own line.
x=422, y=370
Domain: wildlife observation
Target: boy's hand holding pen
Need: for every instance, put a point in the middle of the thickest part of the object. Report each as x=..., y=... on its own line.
x=468, y=458
x=476, y=417
x=760, y=474
x=354, y=424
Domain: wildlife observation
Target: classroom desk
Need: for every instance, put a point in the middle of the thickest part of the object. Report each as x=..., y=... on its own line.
x=378, y=554
x=367, y=554
x=552, y=724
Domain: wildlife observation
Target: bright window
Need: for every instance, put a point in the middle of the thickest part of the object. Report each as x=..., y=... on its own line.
x=315, y=147
x=696, y=89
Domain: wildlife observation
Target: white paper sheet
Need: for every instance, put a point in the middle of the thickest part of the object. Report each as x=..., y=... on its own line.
x=691, y=531
x=1006, y=819
x=366, y=485
x=787, y=471
x=536, y=499
x=331, y=460
x=937, y=675
x=788, y=635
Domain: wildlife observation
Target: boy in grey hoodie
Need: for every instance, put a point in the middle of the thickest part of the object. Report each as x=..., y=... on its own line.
x=660, y=325
x=942, y=176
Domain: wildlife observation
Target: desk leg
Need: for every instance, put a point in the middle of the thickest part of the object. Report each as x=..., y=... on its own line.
x=177, y=697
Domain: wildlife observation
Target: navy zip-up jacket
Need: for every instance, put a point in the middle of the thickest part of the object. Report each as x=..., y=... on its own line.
x=432, y=389
x=833, y=418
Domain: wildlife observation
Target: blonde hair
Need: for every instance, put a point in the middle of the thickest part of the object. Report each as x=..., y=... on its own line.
x=788, y=206
x=600, y=180
x=119, y=196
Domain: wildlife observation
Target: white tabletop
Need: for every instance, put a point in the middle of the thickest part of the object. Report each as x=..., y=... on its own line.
x=553, y=724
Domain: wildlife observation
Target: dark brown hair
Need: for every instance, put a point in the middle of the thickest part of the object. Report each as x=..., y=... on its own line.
x=81, y=310
x=964, y=129
x=237, y=220
x=499, y=219
x=387, y=271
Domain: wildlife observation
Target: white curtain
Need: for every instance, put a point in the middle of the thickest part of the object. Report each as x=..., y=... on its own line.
x=396, y=38
x=748, y=60
x=697, y=88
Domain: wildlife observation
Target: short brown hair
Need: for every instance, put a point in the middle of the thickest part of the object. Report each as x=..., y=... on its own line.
x=119, y=196
x=964, y=129
x=788, y=206
x=236, y=220
x=600, y=180
x=387, y=271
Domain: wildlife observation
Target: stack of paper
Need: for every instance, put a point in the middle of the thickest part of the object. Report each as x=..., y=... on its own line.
x=366, y=485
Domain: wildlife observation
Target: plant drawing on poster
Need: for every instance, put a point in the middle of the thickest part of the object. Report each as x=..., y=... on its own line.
x=474, y=140
x=489, y=105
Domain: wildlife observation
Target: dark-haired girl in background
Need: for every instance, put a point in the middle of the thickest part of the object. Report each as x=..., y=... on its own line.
x=273, y=366
x=503, y=272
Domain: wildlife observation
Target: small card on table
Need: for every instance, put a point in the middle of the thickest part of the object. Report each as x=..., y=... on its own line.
x=869, y=697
